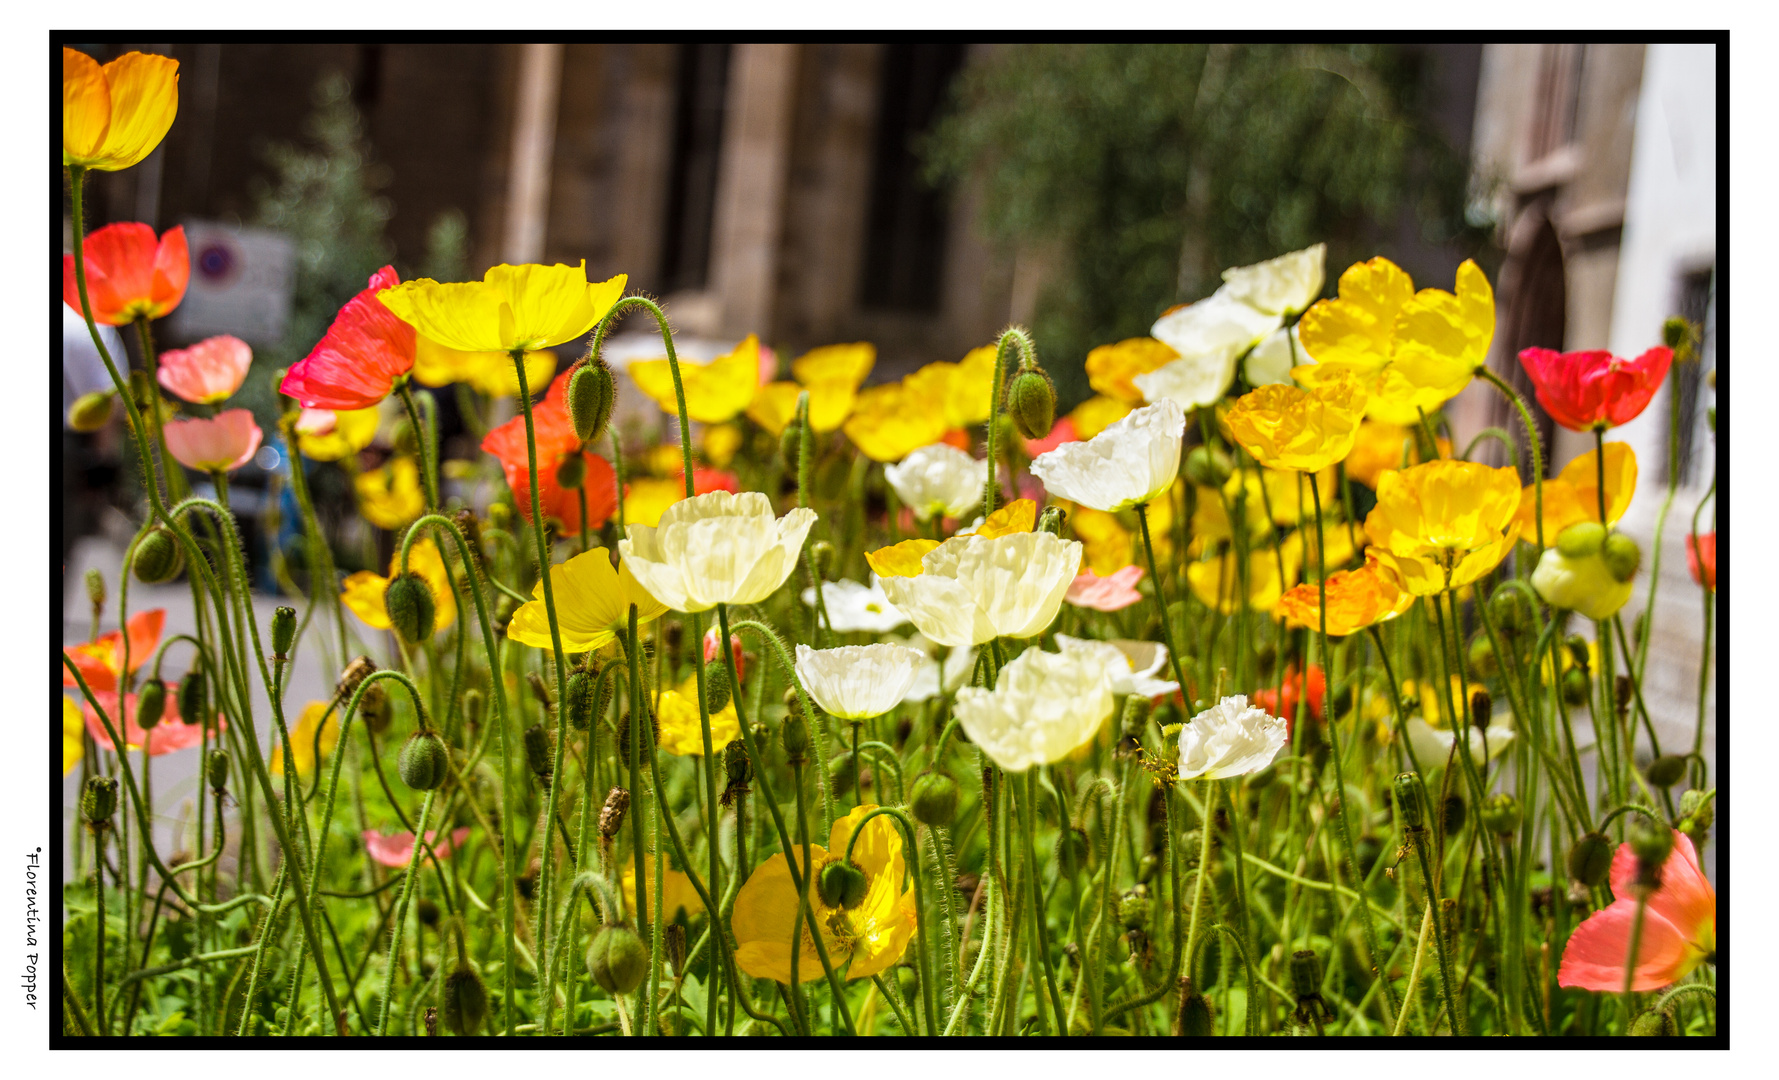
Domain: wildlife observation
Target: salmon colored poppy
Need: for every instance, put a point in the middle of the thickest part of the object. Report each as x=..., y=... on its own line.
x=1679, y=927
x=208, y=372
x=114, y=116
x=220, y=443
x=1356, y=599
x=1113, y=593
x=101, y=660
x=1110, y=368
x=1701, y=559
x=1573, y=495
x=169, y=736
x=356, y=364
x=1595, y=390
x=129, y=274
x=715, y=392
x=556, y=445
x=394, y=850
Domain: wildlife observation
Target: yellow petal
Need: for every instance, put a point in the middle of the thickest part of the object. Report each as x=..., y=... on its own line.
x=682, y=733
x=1438, y=334
x=647, y=499
x=496, y=377
x=1018, y=516
x=592, y=605
x=362, y=593
x=1573, y=494
x=1098, y=413
x=715, y=392
x=441, y=365
x=424, y=559
x=836, y=363
x=353, y=431
x=1358, y=329
x=144, y=99
x=774, y=406
x=900, y=560
x=86, y=108
x=390, y=497
x=530, y=307
x=891, y=421
x=1106, y=545
x=1110, y=368
x=73, y=745
x=721, y=441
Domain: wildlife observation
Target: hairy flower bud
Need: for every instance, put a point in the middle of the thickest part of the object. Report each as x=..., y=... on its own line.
x=821, y=557
x=427, y=911
x=472, y=706
x=1575, y=687
x=98, y=801
x=611, y=815
x=216, y=770
x=1676, y=332
x=1501, y=814
x=284, y=627
x=1651, y=843
x=934, y=800
x=1666, y=771
x=674, y=939
x=194, y=696
x=424, y=761
x=158, y=558
x=1306, y=975
x=1408, y=799
x=90, y=412
x=355, y=673
x=1655, y=1022
x=617, y=959
x=471, y=529
x=95, y=587
x=1481, y=656
x=1031, y=399
x=842, y=885
x=411, y=607
x=1622, y=556
x=373, y=706
x=465, y=1001
x=591, y=397
x=1194, y=1020
x=736, y=764
x=1052, y=520
x=577, y=707
x=572, y=473
x=151, y=704
x=1133, y=908
x=794, y=732
x=1482, y=707
x=790, y=446
x=1590, y=860
x=1208, y=466
x=1582, y=539
x=537, y=751
x=1511, y=611
x=1453, y=814
x=716, y=687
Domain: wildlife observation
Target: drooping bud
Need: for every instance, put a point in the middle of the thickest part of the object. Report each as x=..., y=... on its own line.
x=1133, y=908
x=424, y=761
x=1194, y=1019
x=1136, y=716
x=1676, y=332
x=716, y=687
x=1208, y=466
x=194, y=697
x=578, y=705
x=539, y=689
x=617, y=959
x=1575, y=686
x=411, y=607
x=1306, y=975
x=1511, y=611
x=284, y=627
x=98, y=801
x=1666, y=771
x=1408, y=799
x=842, y=885
x=537, y=751
x=1483, y=662
x=356, y=672
x=472, y=706
x=95, y=587
x=1622, y=556
x=373, y=706
x=90, y=412
x=151, y=703
x=1698, y=813
x=1579, y=651
x=157, y=557
x=934, y=800
x=426, y=911
x=1590, y=860
x=465, y=1004
x=1650, y=842
x=674, y=939
x=1655, y=1022
x=736, y=764
x=611, y=815
x=572, y=473
x=1051, y=520
x=1031, y=399
x=1501, y=814
x=591, y=397
x=216, y=770
x=790, y=446
x=1482, y=707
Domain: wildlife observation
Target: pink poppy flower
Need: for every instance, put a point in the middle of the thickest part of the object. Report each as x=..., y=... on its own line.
x=170, y=735
x=395, y=849
x=711, y=655
x=226, y=441
x=1679, y=928
x=1114, y=593
x=1063, y=432
x=208, y=372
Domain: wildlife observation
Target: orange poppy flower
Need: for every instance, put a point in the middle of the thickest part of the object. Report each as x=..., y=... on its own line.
x=556, y=445
x=1356, y=599
x=129, y=274
x=101, y=661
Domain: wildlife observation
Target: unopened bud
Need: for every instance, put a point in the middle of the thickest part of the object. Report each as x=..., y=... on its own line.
x=736, y=764
x=95, y=587
x=426, y=911
x=539, y=689
x=1650, y=842
x=424, y=761
x=934, y=800
x=466, y=523
x=1676, y=332
x=1501, y=814
x=1454, y=813
x=284, y=627
x=194, y=697
x=572, y=473
x=465, y=1001
x=790, y=445
x=1511, y=611
x=716, y=687
x=408, y=599
x=1590, y=860
x=151, y=704
x=1578, y=651
x=577, y=707
x=1133, y=908
x=617, y=959
x=1136, y=716
x=1666, y=771
x=1483, y=662
x=591, y=396
x=356, y=672
x=472, y=706
x=611, y=815
x=1482, y=707
x=98, y=801
x=1194, y=1020
x=1051, y=520
x=794, y=733
x=1306, y=975
x=1071, y=850
x=216, y=770
x=373, y=707
x=821, y=557
x=1208, y=466
x=1582, y=539
x=1575, y=686
x=1655, y=1022
x=674, y=938
x=157, y=557
x=537, y=751
x=90, y=412
x=842, y=885
x=1622, y=556
x=1031, y=398
x=1408, y=799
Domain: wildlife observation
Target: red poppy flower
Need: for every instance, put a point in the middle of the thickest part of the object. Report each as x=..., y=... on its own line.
x=395, y=849
x=356, y=364
x=1283, y=701
x=705, y=480
x=556, y=444
x=1587, y=390
x=129, y=273
x=170, y=735
x=101, y=661
x=1701, y=559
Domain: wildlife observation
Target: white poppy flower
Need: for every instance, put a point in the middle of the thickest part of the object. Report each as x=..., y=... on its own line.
x=716, y=548
x=1272, y=360
x=1433, y=746
x=857, y=682
x=1132, y=461
x=938, y=479
x=1231, y=738
x=938, y=676
x=1209, y=336
x=852, y=606
x=1131, y=664
x=971, y=590
x=1281, y=286
x=1044, y=707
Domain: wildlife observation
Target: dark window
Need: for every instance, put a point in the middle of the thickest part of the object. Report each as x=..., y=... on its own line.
x=1697, y=308
x=905, y=230
x=1536, y=317
x=692, y=178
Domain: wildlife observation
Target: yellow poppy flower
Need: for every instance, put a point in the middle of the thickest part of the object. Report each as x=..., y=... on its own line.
x=1098, y=413
x=114, y=116
x=1414, y=351
x=1285, y=427
x=1574, y=494
x=513, y=307
x=891, y=421
x=900, y=560
x=592, y=604
x=677, y=893
x=715, y=392
x=1356, y=599
x=840, y=363
x=721, y=441
x=647, y=499
x=681, y=732
x=73, y=725
x=864, y=941
x=832, y=375
x=302, y=739
x=390, y=497
x=1110, y=368
x=1020, y=515
x=1106, y=545
x=490, y=374
x=1215, y=582
x=362, y=592
x=353, y=431
x=1443, y=524
x=961, y=390
x=1381, y=446
x=1242, y=491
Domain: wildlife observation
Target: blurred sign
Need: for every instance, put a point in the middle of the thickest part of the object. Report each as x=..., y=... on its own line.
x=241, y=283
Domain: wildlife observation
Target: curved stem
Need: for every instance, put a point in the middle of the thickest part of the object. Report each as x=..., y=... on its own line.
x=401, y=915
x=1519, y=403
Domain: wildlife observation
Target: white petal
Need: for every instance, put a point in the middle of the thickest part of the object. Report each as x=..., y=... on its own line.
x=1281, y=286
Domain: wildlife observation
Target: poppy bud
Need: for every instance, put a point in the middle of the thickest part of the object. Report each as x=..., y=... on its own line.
x=1306, y=975
x=411, y=607
x=821, y=557
x=356, y=672
x=1051, y=520
x=284, y=627
x=373, y=706
x=537, y=751
x=841, y=885
x=736, y=764
x=794, y=733
x=674, y=938
x=1582, y=539
x=1208, y=466
x=151, y=703
x=423, y=762
x=716, y=687
x=1666, y=771
x=1622, y=556
x=472, y=706
x=1408, y=799
x=466, y=1001
x=194, y=697
x=790, y=445
x=538, y=689
x=1031, y=398
x=1655, y=1022
x=617, y=959
x=1511, y=612
x=1482, y=707
x=426, y=911
x=1501, y=814
x=1483, y=662
x=591, y=396
x=1453, y=813
x=1194, y=1019
x=1650, y=842
x=934, y=800
x=95, y=587
x=572, y=473
x=98, y=801
x=90, y=412
x=216, y=770
x=1676, y=332
x=1133, y=908
x=611, y=815
x=1136, y=716
x=1578, y=650
x=142, y=389
x=1575, y=686
x=1697, y=814
x=651, y=735
x=1590, y=860
x=158, y=558
x=578, y=705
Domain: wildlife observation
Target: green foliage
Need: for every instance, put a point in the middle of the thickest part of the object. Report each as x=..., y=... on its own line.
x=1144, y=170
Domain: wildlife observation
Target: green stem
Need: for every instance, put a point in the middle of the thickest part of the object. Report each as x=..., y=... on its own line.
x=422, y=439
x=1519, y=403
x=401, y=914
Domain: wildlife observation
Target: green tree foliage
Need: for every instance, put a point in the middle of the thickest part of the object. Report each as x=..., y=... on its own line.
x=1141, y=171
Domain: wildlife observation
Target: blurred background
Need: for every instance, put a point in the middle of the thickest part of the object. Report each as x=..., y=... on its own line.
x=921, y=197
